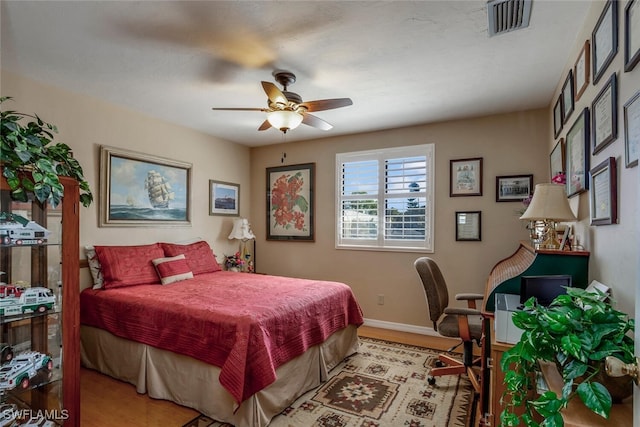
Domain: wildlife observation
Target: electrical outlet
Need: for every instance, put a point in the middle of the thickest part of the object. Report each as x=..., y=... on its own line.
x=380, y=299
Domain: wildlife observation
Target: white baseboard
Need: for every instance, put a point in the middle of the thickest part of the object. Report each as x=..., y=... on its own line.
x=403, y=327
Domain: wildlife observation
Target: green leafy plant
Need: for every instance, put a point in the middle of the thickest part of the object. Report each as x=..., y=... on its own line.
x=31, y=163
x=577, y=331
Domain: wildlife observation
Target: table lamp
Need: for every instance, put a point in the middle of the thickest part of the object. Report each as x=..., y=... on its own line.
x=242, y=231
x=548, y=206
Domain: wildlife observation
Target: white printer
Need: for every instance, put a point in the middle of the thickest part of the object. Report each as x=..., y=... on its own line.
x=505, y=330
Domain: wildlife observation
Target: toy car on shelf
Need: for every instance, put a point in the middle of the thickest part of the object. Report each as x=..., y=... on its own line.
x=22, y=368
x=18, y=230
x=37, y=300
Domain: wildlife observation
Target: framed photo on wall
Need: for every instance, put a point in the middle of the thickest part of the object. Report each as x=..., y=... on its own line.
x=632, y=130
x=465, y=177
x=141, y=190
x=513, y=188
x=631, y=35
x=469, y=226
x=604, y=40
x=577, y=154
x=604, y=202
x=224, y=198
x=290, y=202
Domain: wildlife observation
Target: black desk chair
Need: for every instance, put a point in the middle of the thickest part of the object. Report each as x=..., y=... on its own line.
x=463, y=323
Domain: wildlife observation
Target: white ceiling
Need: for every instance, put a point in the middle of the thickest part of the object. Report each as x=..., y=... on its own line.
x=401, y=62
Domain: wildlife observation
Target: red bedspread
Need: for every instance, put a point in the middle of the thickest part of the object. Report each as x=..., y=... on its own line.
x=247, y=324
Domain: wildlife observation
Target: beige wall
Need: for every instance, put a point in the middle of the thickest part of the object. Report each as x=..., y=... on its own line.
x=614, y=248
x=517, y=143
x=86, y=123
x=510, y=144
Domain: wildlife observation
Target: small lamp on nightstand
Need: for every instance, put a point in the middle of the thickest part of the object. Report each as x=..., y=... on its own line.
x=242, y=231
x=548, y=206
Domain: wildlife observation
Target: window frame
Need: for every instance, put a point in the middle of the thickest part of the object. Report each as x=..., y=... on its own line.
x=380, y=243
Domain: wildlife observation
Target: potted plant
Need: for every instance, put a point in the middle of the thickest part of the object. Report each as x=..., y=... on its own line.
x=31, y=163
x=577, y=331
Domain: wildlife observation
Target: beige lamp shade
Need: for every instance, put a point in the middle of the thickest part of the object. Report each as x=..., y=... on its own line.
x=241, y=230
x=549, y=202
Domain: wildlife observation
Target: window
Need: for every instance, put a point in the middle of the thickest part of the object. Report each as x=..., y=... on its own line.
x=385, y=199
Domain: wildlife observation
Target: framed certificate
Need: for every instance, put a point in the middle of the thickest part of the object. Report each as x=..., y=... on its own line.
x=631, y=35
x=577, y=155
x=468, y=226
x=604, y=115
x=632, y=130
x=567, y=97
x=604, y=40
x=604, y=203
x=581, y=71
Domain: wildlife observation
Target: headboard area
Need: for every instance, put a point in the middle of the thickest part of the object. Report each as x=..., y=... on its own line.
x=197, y=252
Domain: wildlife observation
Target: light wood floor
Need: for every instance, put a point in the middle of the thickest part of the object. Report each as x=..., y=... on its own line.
x=106, y=402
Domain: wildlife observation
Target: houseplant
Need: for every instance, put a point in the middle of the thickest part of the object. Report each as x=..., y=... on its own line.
x=31, y=163
x=576, y=332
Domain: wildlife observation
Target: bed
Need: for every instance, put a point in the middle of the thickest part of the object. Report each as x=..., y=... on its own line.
x=237, y=347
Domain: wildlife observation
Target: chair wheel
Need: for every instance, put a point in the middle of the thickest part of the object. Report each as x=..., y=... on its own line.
x=431, y=380
x=439, y=363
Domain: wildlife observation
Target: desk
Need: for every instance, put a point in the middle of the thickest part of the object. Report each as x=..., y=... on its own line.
x=576, y=414
x=505, y=277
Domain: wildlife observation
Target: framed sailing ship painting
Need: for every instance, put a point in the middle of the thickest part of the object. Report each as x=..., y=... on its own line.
x=143, y=190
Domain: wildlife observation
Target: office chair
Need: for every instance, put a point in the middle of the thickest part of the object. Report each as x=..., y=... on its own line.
x=463, y=323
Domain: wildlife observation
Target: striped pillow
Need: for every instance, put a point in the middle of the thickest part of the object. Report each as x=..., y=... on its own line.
x=172, y=269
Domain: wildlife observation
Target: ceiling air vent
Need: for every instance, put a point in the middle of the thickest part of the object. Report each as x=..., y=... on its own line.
x=508, y=15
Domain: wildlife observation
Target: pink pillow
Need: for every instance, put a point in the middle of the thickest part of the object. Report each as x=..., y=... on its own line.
x=172, y=269
x=199, y=256
x=128, y=265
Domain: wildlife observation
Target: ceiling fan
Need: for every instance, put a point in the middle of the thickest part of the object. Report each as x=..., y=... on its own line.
x=286, y=110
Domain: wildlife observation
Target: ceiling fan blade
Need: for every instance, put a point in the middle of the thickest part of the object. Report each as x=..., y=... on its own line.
x=240, y=109
x=275, y=95
x=265, y=125
x=315, y=122
x=326, y=104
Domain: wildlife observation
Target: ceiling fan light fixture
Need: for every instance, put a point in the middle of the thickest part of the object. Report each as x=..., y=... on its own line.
x=284, y=119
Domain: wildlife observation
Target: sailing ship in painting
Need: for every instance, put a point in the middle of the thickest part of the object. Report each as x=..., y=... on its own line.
x=159, y=190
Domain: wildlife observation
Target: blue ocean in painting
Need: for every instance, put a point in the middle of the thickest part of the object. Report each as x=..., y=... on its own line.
x=125, y=212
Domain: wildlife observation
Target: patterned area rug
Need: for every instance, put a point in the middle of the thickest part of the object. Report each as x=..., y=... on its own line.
x=384, y=384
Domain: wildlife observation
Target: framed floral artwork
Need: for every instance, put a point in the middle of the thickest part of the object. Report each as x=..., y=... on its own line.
x=290, y=202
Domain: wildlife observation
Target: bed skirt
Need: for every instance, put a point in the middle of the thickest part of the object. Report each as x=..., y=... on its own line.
x=189, y=382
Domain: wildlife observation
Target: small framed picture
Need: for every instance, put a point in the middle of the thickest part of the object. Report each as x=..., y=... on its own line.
x=604, y=40
x=581, y=71
x=604, y=202
x=465, y=177
x=631, y=35
x=558, y=117
x=577, y=154
x=556, y=159
x=567, y=97
x=632, y=130
x=469, y=226
x=513, y=188
x=224, y=198
x=604, y=116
